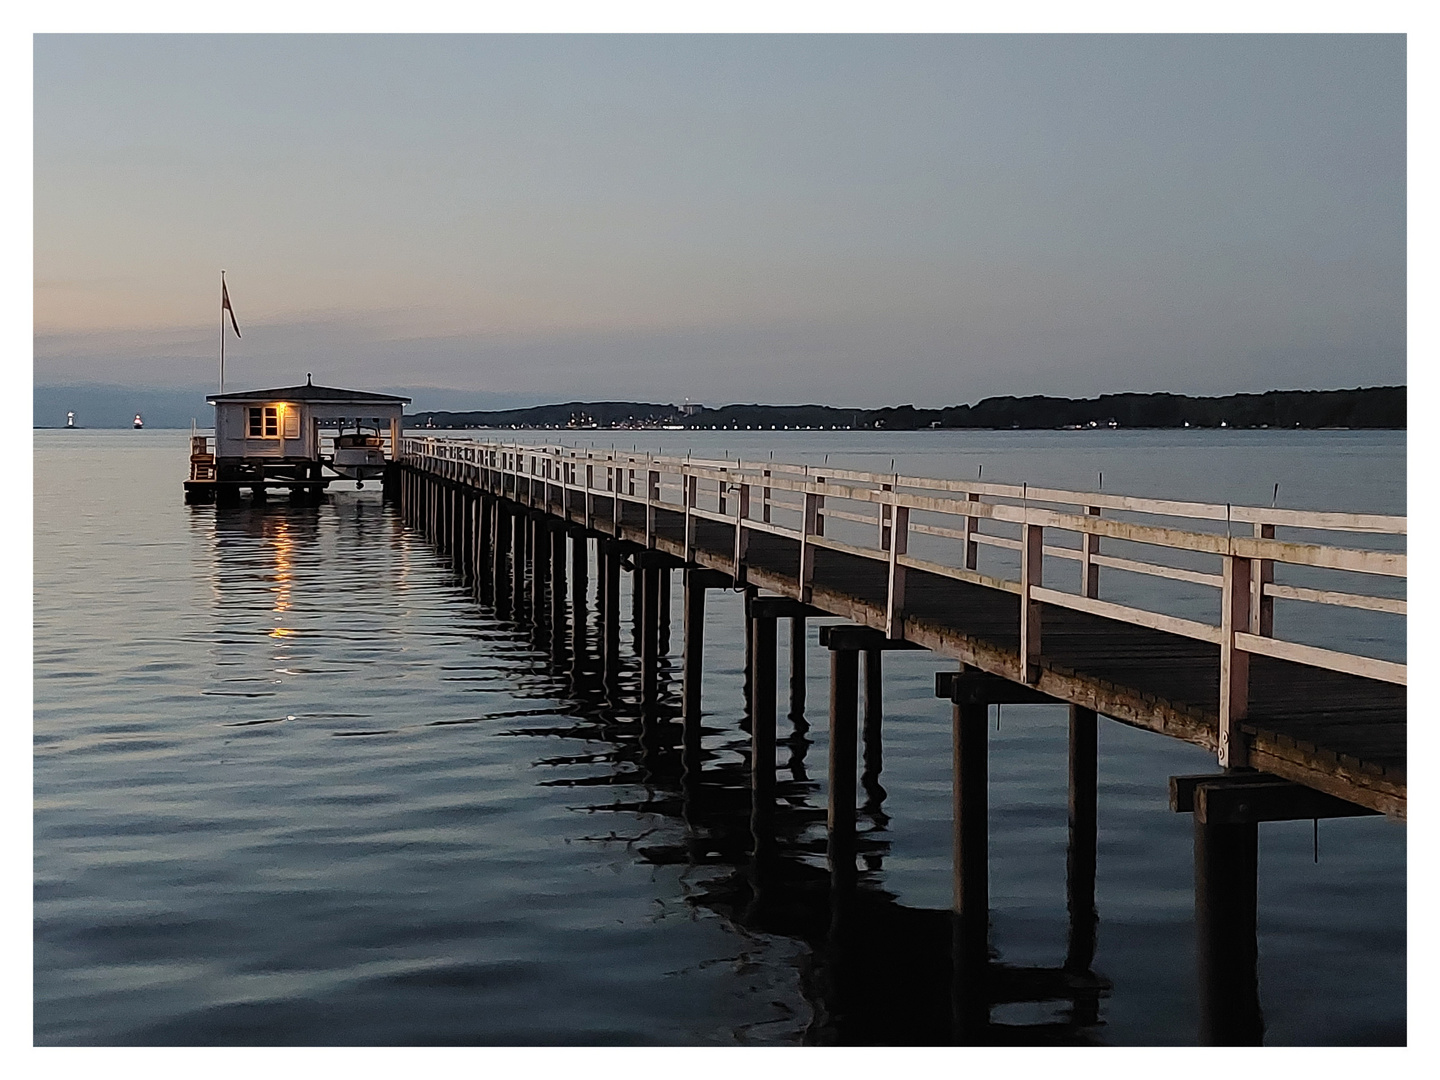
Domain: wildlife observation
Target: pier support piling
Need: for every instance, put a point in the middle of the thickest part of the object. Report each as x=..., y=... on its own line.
x=662, y=610
x=696, y=582
x=648, y=606
x=970, y=943
x=500, y=557
x=750, y=594
x=1225, y=927
x=840, y=808
x=579, y=568
x=762, y=712
x=539, y=551
x=797, y=670
x=557, y=590
x=517, y=560
x=1080, y=852
x=870, y=736
x=609, y=554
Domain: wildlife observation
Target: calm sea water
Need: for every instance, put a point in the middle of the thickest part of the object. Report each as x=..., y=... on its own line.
x=294, y=783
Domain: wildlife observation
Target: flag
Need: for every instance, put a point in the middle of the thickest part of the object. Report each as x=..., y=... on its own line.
x=225, y=306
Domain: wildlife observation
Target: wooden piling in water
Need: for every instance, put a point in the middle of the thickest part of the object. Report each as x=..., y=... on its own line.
x=1225, y=926
x=500, y=557
x=517, y=562
x=840, y=808
x=557, y=586
x=762, y=708
x=1080, y=851
x=692, y=658
x=579, y=567
x=970, y=810
x=750, y=594
x=662, y=612
x=798, y=638
x=610, y=611
x=648, y=605
x=872, y=755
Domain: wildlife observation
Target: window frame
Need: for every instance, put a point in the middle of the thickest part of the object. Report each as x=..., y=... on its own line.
x=263, y=422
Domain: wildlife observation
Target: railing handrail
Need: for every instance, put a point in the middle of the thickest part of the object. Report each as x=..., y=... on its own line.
x=737, y=471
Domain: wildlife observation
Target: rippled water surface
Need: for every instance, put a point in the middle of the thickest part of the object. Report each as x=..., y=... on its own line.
x=295, y=783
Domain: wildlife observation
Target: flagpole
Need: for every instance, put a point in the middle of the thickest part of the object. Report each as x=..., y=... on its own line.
x=222, y=331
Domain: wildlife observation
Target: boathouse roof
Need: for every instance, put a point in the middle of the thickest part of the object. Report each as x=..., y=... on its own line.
x=307, y=392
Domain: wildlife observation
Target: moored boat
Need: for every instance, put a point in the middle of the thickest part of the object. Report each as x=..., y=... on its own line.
x=359, y=454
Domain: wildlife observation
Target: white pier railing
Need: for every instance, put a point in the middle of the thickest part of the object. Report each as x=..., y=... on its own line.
x=1231, y=549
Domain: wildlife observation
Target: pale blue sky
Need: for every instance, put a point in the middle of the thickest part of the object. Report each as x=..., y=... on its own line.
x=848, y=220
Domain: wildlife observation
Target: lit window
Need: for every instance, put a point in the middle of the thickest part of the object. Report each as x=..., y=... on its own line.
x=272, y=422
x=256, y=430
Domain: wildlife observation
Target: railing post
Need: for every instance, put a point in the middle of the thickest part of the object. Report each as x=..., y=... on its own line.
x=1262, y=573
x=807, y=550
x=1089, y=568
x=765, y=498
x=589, y=505
x=885, y=513
x=615, y=496
x=972, y=526
x=742, y=540
x=1234, y=662
x=1032, y=575
x=899, y=541
x=691, y=490
x=652, y=496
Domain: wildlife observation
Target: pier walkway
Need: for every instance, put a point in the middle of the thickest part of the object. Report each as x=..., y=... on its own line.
x=1330, y=720
x=1183, y=640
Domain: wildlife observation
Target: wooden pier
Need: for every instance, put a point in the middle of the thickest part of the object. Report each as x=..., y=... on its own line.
x=972, y=571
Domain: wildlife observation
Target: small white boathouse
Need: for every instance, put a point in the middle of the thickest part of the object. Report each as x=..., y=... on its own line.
x=287, y=436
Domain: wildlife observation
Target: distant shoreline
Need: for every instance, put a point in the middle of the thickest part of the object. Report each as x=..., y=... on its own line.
x=1369, y=408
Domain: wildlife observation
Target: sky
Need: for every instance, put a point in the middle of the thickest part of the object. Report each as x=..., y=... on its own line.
x=850, y=220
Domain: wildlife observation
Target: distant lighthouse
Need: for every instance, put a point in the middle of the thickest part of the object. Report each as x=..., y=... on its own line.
x=70, y=419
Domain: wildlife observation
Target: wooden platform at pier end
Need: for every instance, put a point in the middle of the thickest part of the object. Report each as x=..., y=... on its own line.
x=1330, y=721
